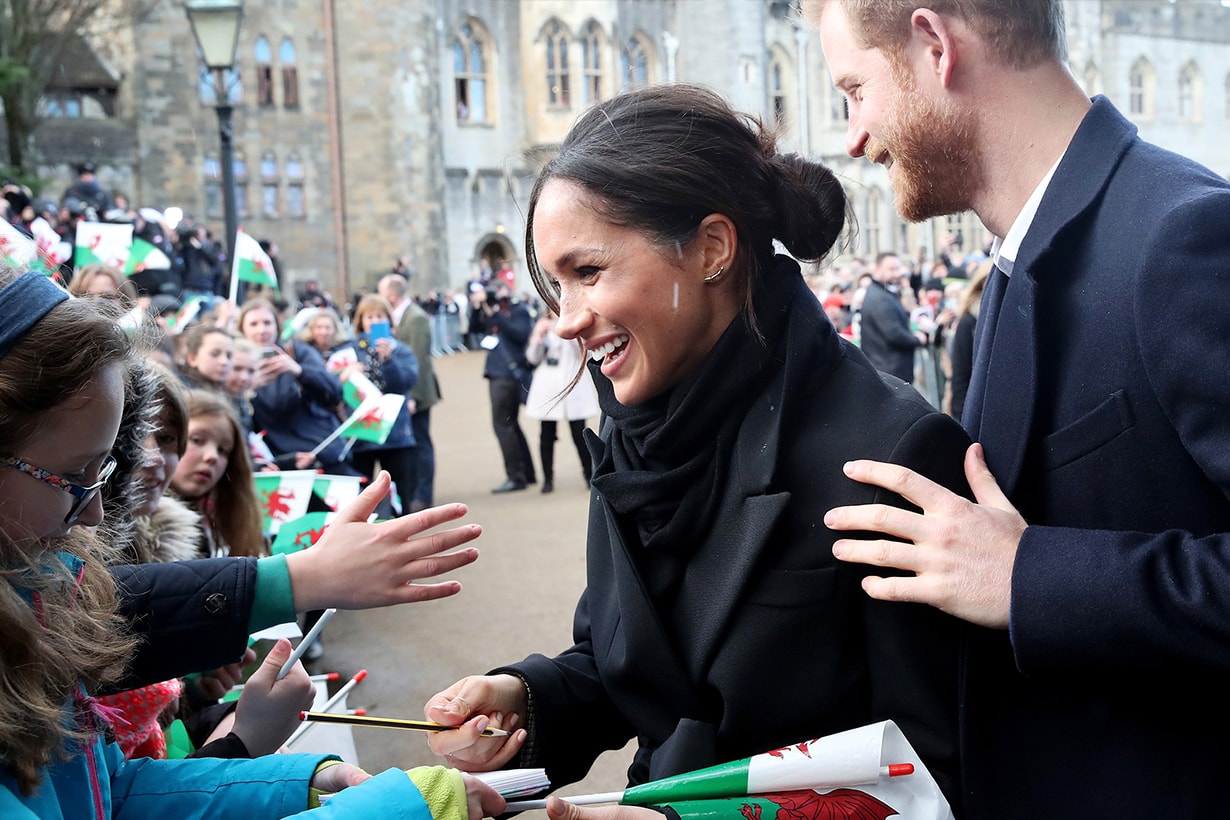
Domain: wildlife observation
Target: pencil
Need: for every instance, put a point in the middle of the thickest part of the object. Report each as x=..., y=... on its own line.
x=307, y=640
x=389, y=723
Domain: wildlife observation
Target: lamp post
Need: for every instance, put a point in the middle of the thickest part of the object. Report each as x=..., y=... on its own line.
x=215, y=25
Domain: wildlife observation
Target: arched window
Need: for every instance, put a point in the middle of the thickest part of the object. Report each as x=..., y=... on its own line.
x=294, y=187
x=555, y=39
x=270, y=199
x=290, y=74
x=777, y=91
x=872, y=229
x=241, y=185
x=1141, y=89
x=1093, y=79
x=470, y=74
x=262, y=55
x=207, y=87
x=634, y=64
x=592, y=42
x=212, y=171
x=1191, y=92
x=839, y=108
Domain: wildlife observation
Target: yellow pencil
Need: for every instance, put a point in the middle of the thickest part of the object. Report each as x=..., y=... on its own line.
x=389, y=723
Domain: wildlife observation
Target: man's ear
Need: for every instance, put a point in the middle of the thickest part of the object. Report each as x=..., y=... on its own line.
x=718, y=241
x=934, y=43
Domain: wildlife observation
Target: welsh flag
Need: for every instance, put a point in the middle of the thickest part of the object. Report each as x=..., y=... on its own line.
x=301, y=533
x=43, y=253
x=16, y=249
x=336, y=491
x=102, y=242
x=283, y=496
x=144, y=256
x=358, y=389
x=251, y=264
x=373, y=420
x=187, y=312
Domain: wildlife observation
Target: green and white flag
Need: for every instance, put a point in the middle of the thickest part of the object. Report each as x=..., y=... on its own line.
x=251, y=264
x=283, y=496
x=336, y=491
x=868, y=772
x=102, y=243
x=358, y=389
x=373, y=420
x=302, y=532
x=144, y=256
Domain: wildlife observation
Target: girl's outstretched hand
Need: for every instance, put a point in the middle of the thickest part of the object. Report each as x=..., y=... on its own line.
x=357, y=565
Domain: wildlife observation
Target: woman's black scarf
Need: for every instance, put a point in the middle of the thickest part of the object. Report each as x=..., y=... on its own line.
x=665, y=463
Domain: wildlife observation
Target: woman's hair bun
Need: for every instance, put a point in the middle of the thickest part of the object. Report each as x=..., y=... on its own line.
x=809, y=204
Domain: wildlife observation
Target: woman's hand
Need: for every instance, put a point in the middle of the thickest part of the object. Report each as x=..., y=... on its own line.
x=474, y=704
x=384, y=348
x=268, y=709
x=561, y=809
x=357, y=565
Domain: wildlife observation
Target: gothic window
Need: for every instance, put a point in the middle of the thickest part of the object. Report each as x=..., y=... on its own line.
x=294, y=187
x=634, y=64
x=1190, y=93
x=1093, y=79
x=262, y=55
x=470, y=74
x=872, y=229
x=290, y=74
x=270, y=198
x=241, y=186
x=591, y=63
x=213, y=187
x=556, y=42
x=777, y=91
x=839, y=108
x=207, y=84
x=1141, y=89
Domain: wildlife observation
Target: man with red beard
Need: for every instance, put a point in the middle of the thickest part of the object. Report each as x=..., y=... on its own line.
x=1097, y=555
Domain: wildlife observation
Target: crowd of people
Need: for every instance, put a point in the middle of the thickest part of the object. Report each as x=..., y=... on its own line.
x=785, y=538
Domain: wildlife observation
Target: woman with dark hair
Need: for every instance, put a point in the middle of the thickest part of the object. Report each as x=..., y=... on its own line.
x=716, y=623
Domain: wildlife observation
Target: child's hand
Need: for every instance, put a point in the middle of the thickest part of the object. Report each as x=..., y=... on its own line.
x=268, y=709
x=357, y=565
x=481, y=800
x=333, y=779
x=212, y=685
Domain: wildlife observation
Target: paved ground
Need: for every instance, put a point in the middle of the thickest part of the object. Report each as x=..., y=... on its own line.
x=517, y=599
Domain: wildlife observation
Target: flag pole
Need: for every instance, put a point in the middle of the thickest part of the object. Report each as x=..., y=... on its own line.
x=235, y=268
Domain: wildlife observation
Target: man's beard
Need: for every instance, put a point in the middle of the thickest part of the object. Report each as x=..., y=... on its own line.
x=934, y=153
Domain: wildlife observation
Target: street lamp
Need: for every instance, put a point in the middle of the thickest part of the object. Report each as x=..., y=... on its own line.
x=215, y=25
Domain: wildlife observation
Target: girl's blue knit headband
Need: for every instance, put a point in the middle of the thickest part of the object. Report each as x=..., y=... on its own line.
x=23, y=303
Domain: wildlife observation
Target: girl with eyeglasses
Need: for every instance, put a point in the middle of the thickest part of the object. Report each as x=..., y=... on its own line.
x=62, y=380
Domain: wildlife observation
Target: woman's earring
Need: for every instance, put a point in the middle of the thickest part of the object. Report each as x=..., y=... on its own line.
x=711, y=277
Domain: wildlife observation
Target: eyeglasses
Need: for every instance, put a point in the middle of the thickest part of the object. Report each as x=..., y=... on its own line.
x=81, y=495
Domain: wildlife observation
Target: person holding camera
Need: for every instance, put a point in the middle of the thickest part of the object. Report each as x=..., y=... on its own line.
x=508, y=375
x=558, y=394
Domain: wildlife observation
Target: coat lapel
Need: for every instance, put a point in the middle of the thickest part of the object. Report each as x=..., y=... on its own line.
x=1007, y=370
x=748, y=514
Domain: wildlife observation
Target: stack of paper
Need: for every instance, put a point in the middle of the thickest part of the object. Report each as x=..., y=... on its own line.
x=516, y=782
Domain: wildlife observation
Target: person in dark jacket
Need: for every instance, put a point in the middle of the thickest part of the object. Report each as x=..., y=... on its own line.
x=296, y=397
x=716, y=622
x=508, y=375
x=884, y=325
x=1097, y=559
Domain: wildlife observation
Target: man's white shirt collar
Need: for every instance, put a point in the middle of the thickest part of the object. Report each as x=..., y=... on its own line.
x=1004, y=251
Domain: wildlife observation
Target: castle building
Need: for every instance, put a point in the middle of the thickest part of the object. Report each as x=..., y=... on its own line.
x=368, y=131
